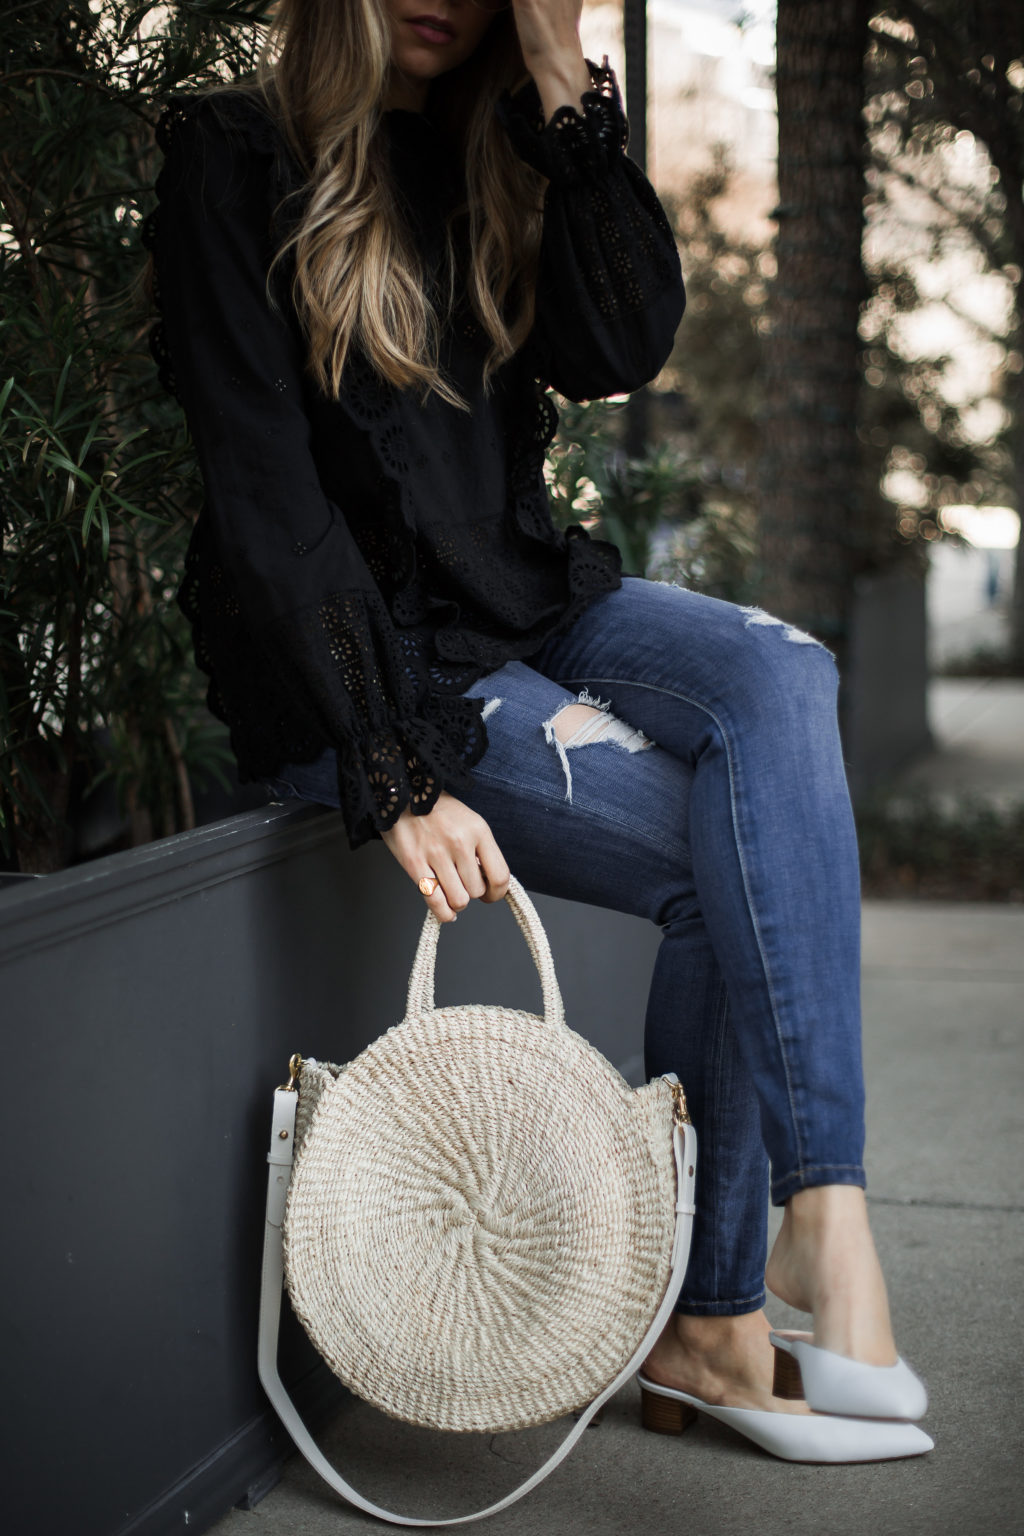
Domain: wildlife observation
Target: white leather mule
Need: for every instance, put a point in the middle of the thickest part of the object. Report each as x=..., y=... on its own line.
x=832, y=1383
x=790, y=1436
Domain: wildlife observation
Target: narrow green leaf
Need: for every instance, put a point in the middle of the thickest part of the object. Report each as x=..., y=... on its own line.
x=87, y=441
x=143, y=458
x=136, y=511
x=61, y=461
x=61, y=382
x=90, y=511
x=130, y=438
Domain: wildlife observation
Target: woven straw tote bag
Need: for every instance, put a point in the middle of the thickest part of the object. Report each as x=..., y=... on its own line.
x=480, y=1224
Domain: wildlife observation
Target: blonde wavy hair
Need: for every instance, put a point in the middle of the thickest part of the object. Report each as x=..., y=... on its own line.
x=358, y=280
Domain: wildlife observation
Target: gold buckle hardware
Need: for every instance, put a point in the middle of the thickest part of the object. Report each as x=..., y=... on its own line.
x=294, y=1063
x=681, y=1112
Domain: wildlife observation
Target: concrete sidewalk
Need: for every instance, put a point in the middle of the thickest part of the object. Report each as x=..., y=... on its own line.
x=944, y=1040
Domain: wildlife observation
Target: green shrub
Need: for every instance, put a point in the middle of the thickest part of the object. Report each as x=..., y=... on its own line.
x=930, y=846
x=99, y=485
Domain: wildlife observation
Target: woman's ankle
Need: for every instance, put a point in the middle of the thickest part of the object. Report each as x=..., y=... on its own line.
x=824, y=1262
x=820, y=1207
x=824, y=1229
x=722, y=1360
x=702, y=1334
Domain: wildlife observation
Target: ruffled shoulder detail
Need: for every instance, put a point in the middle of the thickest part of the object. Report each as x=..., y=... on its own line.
x=243, y=111
x=573, y=142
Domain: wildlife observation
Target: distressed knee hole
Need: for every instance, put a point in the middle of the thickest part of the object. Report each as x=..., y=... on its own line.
x=569, y=723
x=757, y=616
x=583, y=724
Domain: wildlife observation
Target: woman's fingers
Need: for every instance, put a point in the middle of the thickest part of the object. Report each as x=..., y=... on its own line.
x=405, y=841
x=452, y=886
x=455, y=846
x=421, y=866
x=437, y=900
x=470, y=873
x=492, y=867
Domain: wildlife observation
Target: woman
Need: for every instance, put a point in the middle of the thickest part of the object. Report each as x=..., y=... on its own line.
x=371, y=265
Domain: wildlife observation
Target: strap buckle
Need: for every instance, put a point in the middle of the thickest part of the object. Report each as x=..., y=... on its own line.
x=294, y=1066
x=680, y=1110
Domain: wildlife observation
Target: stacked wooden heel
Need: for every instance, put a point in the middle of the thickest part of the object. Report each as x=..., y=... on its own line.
x=663, y=1415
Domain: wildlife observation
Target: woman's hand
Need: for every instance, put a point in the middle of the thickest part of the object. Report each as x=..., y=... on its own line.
x=455, y=844
x=550, y=41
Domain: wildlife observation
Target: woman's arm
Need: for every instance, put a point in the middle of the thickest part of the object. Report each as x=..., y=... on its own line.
x=549, y=37
x=610, y=290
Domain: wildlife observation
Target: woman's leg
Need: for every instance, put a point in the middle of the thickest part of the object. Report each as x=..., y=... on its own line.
x=750, y=710
x=748, y=704
x=622, y=843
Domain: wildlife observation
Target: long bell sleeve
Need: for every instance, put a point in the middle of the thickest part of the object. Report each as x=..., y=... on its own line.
x=319, y=626
x=610, y=290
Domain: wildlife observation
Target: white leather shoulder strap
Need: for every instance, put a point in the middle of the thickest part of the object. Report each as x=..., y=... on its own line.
x=280, y=1161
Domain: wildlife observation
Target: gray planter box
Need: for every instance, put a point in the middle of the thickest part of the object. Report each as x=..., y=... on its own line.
x=150, y=1002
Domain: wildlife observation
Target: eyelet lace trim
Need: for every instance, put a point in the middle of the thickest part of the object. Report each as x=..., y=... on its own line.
x=335, y=673
x=573, y=142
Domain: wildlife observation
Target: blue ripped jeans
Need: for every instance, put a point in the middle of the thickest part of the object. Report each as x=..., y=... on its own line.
x=716, y=805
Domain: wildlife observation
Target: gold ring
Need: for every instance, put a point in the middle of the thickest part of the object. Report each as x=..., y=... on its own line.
x=428, y=885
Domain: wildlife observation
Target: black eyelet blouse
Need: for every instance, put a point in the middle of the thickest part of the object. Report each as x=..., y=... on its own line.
x=359, y=562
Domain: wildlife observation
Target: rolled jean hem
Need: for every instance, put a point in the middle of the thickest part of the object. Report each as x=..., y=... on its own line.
x=721, y=1308
x=815, y=1175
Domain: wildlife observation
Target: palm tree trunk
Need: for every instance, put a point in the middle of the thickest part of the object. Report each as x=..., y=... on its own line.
x=810, y=512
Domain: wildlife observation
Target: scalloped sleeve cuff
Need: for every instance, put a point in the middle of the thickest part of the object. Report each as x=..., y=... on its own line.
x=573, y=142
x=398, y=743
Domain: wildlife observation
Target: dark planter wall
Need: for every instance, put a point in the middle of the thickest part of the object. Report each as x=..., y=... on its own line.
x=150, y=1001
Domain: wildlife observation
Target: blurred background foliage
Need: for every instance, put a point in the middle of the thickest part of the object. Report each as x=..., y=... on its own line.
x=685, y=510
x=97, y=683
x=944, y=121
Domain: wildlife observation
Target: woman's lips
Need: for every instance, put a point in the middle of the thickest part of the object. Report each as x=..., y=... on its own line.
x=432, y=31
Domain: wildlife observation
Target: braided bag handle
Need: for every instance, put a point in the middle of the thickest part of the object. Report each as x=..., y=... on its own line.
x=420, y=997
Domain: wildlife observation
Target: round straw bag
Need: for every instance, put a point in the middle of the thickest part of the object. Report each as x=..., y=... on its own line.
x=481, y=1218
